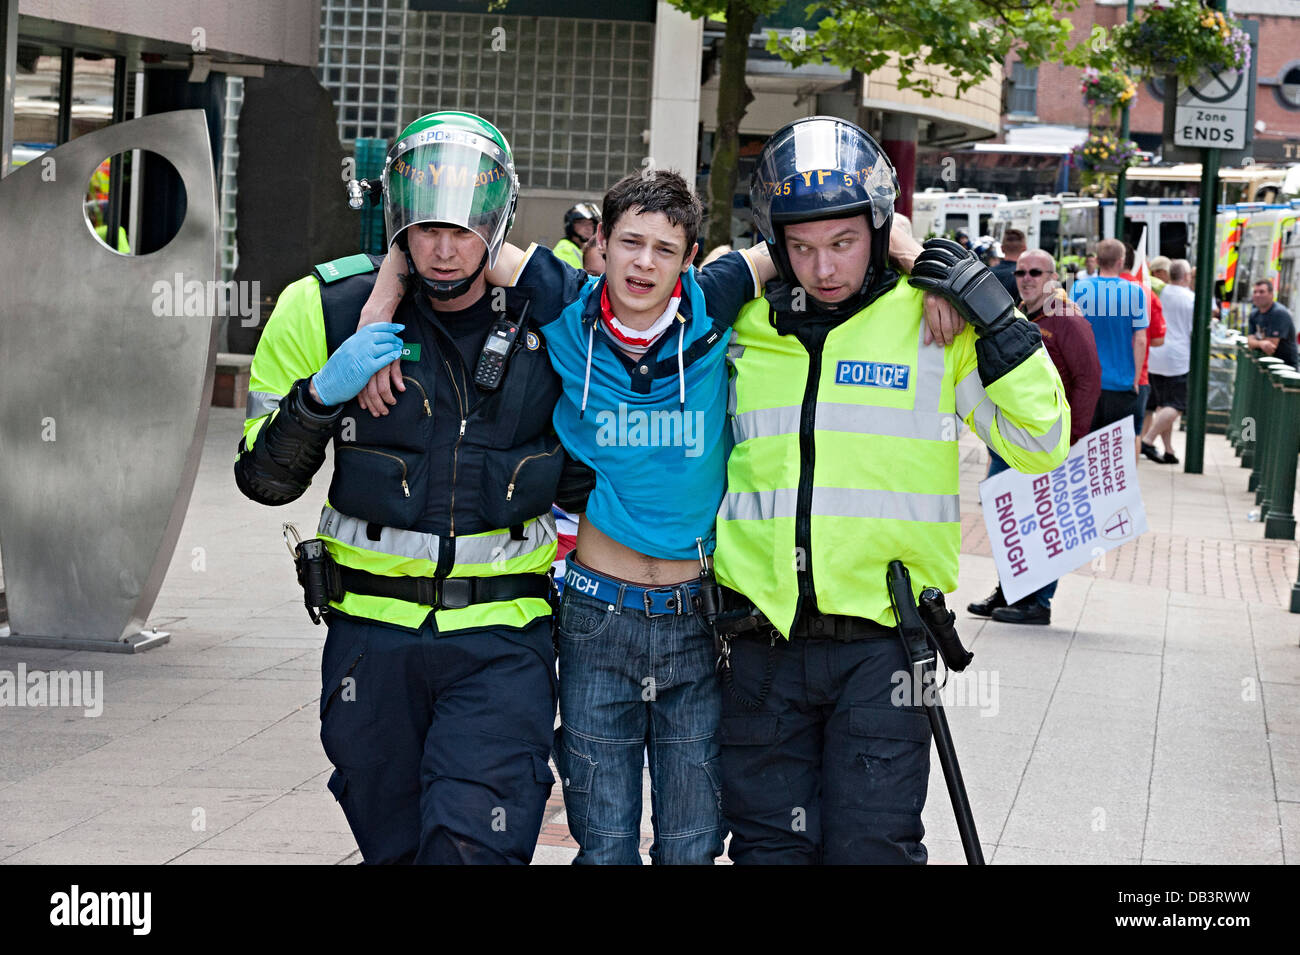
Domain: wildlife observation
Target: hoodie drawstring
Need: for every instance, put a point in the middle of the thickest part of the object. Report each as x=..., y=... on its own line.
x=681, y=371
x=586, y=380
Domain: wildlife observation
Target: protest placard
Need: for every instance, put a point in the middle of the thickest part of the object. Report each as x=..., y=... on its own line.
x=1042, y=526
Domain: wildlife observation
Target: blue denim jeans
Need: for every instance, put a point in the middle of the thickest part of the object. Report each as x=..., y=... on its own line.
x=1048, y=591
x=632, y=684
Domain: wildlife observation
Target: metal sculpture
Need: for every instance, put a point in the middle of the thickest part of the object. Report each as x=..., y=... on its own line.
x=105, y=395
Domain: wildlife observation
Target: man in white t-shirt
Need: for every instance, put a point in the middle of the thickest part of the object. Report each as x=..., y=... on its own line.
x=1169, y=363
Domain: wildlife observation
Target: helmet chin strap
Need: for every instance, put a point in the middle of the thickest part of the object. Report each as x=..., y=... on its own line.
x=443, y=291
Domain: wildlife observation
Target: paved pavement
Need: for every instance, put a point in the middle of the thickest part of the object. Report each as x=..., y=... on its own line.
x=1157, y=720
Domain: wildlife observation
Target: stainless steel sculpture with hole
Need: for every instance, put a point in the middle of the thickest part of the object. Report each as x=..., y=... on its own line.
x=105, y=401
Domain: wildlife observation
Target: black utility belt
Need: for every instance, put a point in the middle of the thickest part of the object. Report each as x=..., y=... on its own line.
x=445, y=593
x=323, y=580
x=742, y=620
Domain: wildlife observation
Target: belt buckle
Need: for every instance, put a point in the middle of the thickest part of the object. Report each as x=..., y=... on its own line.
x=645, y=604
x=678, y=599
x=455, y=593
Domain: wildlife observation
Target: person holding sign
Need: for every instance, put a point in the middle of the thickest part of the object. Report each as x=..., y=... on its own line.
x=1070, y=344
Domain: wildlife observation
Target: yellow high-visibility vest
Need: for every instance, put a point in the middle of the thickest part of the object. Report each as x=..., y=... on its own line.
x=847, y=460
x=568, y=251
x=293, y=346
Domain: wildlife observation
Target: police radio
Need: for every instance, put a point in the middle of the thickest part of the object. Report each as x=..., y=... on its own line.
x=496, y=350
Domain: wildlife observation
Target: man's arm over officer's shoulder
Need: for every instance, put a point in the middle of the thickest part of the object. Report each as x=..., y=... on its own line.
x=1007, y=388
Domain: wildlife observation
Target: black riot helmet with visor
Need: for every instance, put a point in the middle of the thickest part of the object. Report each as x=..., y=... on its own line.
x=583, y=210
x=824, y=167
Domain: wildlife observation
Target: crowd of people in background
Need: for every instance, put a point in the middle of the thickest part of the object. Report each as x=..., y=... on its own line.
x=1118, y=354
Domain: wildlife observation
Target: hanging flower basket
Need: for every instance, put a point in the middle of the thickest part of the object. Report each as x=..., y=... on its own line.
x=1107, y=91
x=1182, y=38
x=1103, y=151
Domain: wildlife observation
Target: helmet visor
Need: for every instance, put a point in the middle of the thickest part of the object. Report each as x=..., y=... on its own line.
x=814, y=170
x=450, y=176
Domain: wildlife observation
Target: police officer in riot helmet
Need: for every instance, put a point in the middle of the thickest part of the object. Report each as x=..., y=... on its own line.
x=579, y=227
x=438, y=679
x=846, y=459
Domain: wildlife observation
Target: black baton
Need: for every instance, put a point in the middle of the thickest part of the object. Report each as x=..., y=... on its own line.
x=921, y=646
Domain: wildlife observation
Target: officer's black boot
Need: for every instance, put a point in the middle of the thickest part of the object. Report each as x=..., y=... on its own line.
x=985, y=607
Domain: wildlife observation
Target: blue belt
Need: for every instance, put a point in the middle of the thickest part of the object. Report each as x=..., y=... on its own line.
x=654, y=601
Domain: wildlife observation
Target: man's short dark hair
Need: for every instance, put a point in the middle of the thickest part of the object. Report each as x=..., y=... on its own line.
x=1266, y=283
x=656, y=190
x=1014, y=235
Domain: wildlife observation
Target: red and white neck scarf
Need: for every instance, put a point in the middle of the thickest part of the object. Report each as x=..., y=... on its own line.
x=638, y=341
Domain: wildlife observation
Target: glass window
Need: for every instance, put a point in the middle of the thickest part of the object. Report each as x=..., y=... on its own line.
x=36, y=102
x=1047, y=236
x=1289, y=90
x=1024, y=90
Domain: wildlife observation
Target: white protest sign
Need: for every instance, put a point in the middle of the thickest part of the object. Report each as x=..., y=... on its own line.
x=1042, y=526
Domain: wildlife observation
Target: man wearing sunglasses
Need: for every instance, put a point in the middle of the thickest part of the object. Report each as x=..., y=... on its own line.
x=1073, y=349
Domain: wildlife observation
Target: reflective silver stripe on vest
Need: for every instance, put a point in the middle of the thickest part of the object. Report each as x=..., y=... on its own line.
x=887, y=505
x=842, y=502
x=758, y=505
x=929, y=376
x=972, y=396
x=490, y=548
x=734, y=351
x=854, y=419
x=417, y=545
x=261, y=403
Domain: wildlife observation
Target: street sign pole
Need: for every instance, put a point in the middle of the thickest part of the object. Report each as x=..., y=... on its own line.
x=1121, y=180
x=1210, y=119
x=1199, y=372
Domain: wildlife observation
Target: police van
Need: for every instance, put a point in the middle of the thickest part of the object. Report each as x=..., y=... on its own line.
x=937, y=212
x=1069, y=226
x=1038, y=218
x=1268, y=247
x=1229, y=225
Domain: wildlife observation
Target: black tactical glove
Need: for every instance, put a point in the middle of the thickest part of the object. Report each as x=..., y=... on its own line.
x=289, y=450
x=1005, y=337
x=577, y=481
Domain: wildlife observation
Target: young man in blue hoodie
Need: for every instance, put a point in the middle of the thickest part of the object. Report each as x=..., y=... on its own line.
x=641, y=354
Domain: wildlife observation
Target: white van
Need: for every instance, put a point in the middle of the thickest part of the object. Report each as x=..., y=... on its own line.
x=937, y=212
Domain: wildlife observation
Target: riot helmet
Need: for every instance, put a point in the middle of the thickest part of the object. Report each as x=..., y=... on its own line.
x=823, y=167
x=987, y=249
x=455, y=169
x=583, y=210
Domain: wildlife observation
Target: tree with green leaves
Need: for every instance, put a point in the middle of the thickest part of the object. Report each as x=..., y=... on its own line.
x=967, y=39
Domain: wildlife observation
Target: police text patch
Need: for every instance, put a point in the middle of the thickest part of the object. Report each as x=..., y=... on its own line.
x=874, y=374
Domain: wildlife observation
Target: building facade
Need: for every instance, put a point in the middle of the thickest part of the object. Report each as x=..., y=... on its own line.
x=1050, y=94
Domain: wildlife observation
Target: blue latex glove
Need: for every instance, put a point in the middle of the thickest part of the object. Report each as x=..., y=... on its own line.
x=350, y=367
